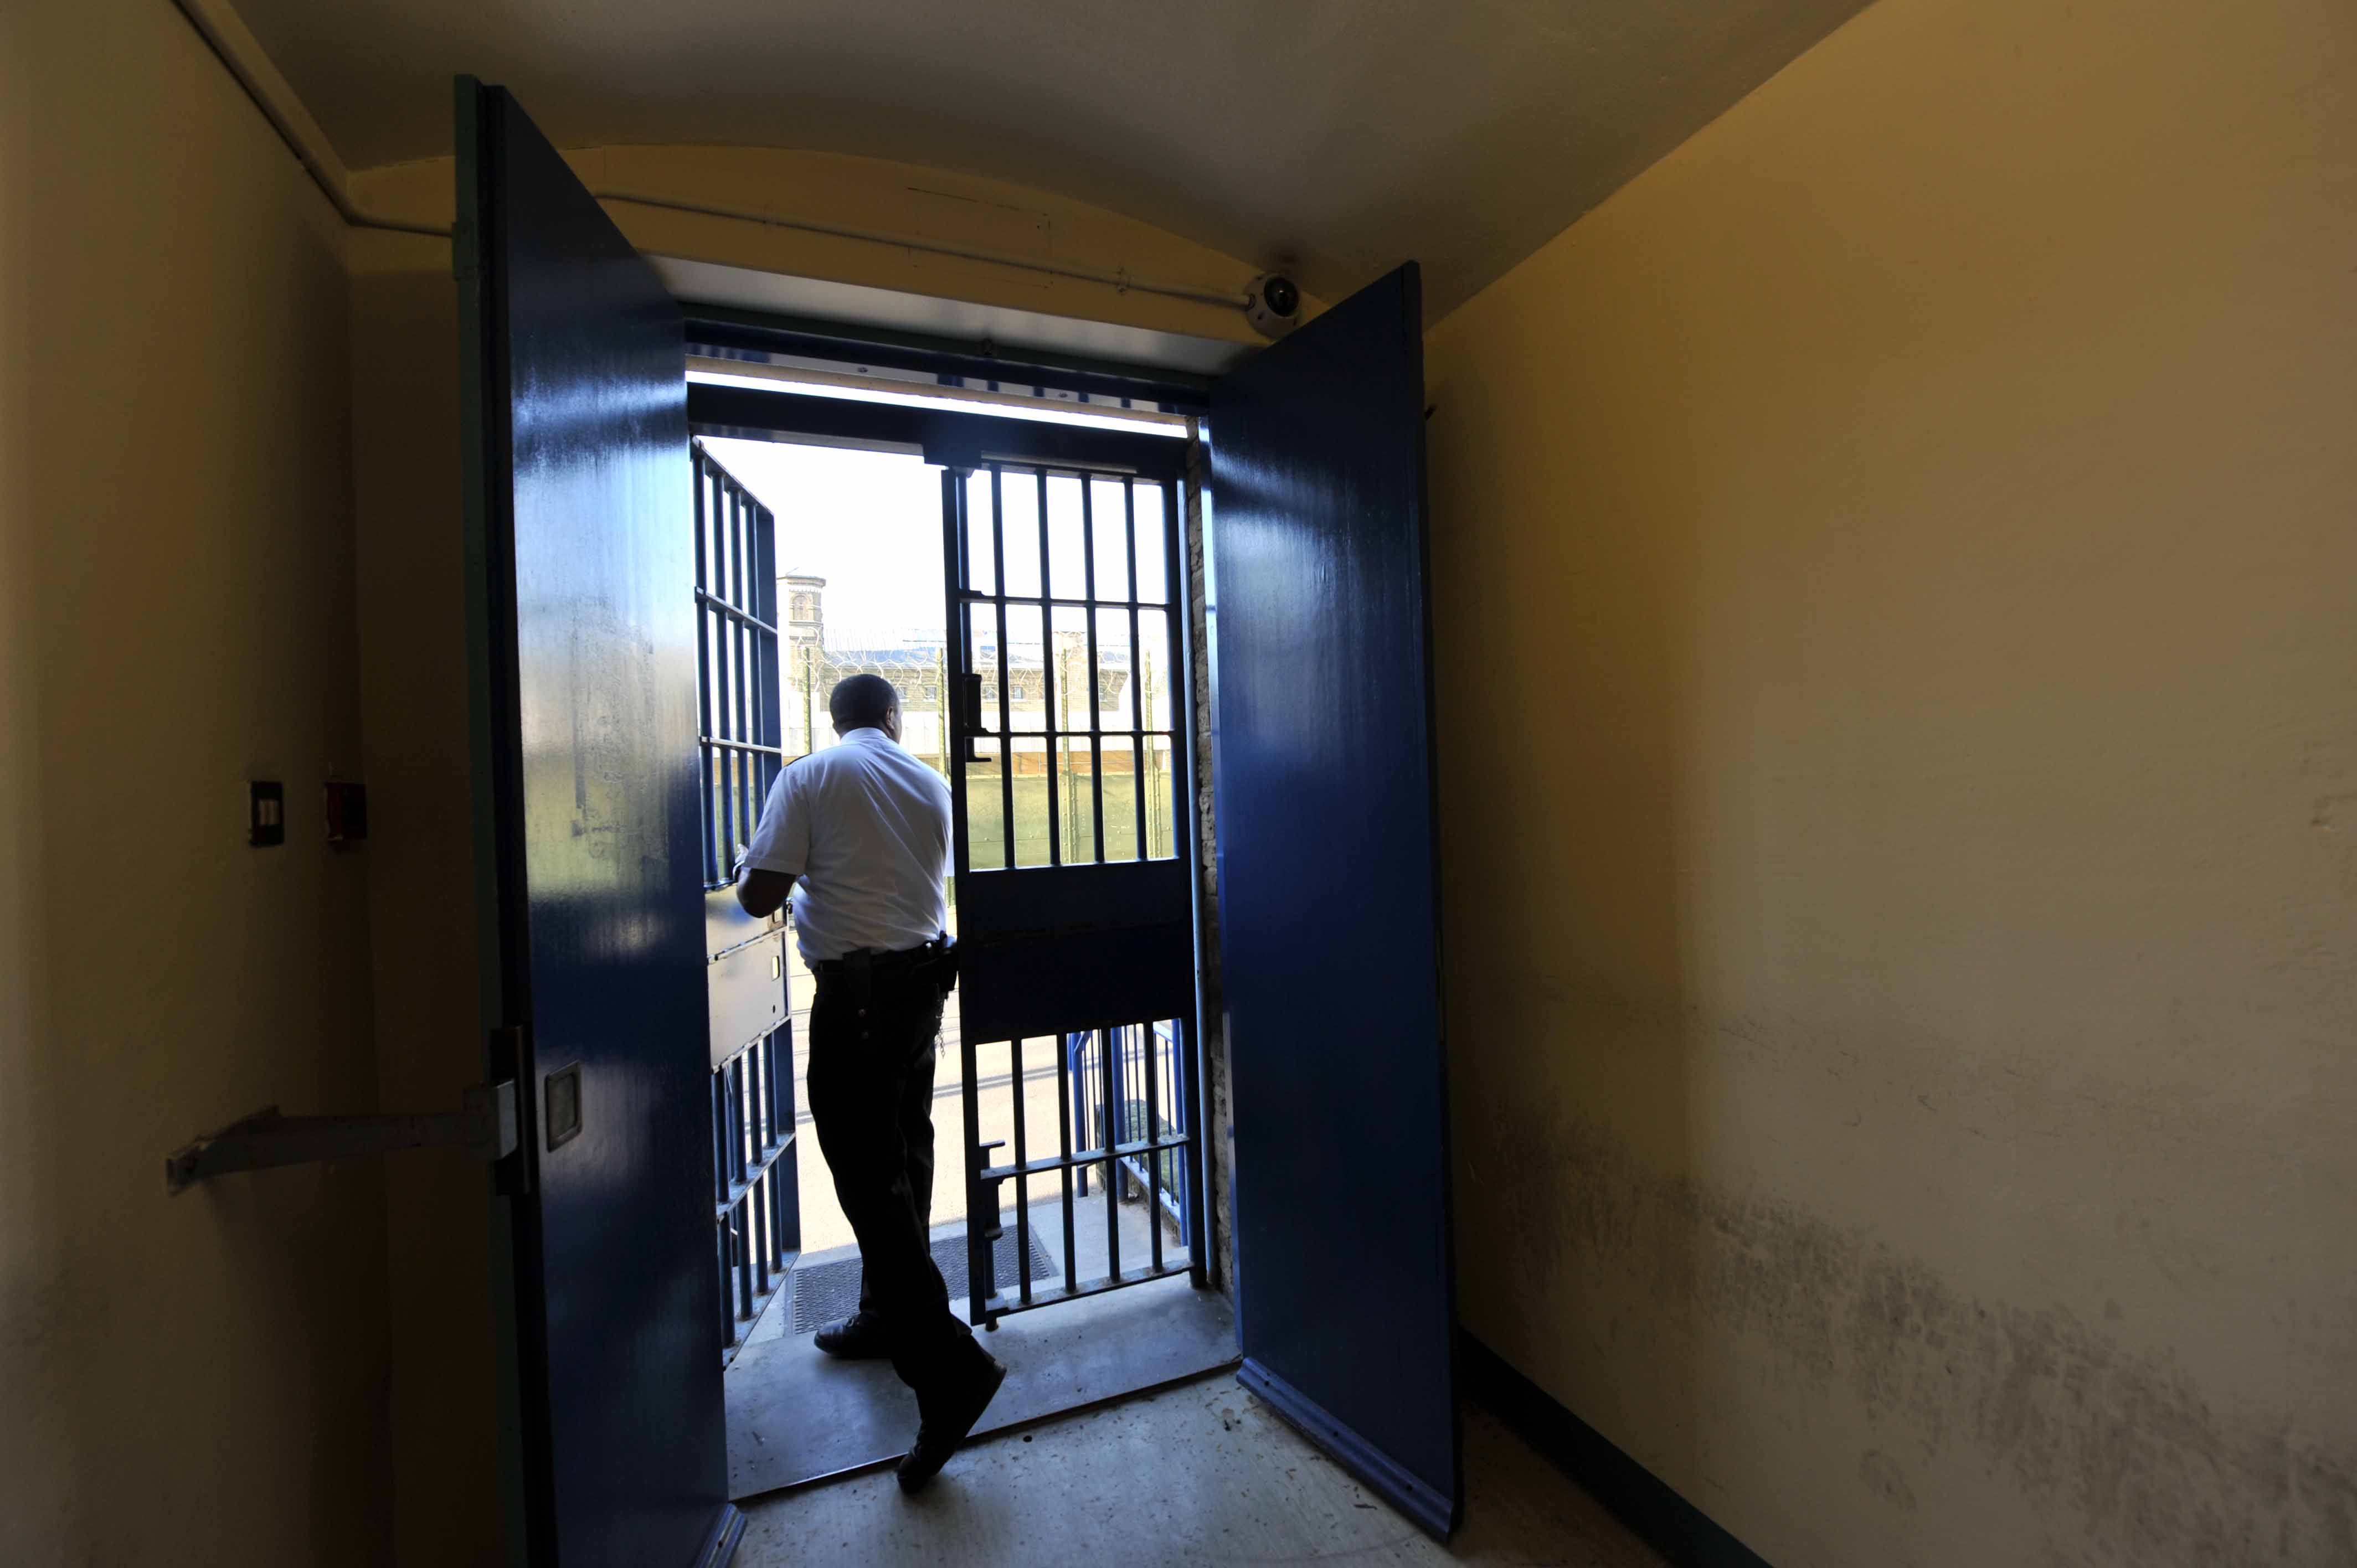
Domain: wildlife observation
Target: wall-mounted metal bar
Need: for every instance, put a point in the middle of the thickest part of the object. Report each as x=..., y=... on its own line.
x=484, y=1125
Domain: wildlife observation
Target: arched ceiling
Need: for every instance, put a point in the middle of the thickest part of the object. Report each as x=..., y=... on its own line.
x=1335, y=137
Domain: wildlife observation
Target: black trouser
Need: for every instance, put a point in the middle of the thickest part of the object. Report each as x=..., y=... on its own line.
x=873, y=1030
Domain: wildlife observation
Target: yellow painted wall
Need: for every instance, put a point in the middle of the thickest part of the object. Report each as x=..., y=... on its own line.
x=1896, y=580
x=405, y=443
x=199, y=1379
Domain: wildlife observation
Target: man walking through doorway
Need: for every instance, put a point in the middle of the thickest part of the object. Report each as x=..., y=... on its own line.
x=865, y=828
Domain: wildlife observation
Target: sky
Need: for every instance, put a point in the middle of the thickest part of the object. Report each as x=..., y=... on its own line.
x=870, y=522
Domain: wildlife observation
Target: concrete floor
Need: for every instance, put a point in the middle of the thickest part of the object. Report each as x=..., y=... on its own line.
x=1202, y=1473
x=795, y=1413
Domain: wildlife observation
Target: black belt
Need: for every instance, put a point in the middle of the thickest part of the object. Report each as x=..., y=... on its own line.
x=873, y=961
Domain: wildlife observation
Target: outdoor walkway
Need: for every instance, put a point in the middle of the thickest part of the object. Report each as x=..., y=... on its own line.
x=1202, y=1473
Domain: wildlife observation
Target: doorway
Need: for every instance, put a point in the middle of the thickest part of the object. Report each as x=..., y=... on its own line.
x=582, y=643
x=1057, y=713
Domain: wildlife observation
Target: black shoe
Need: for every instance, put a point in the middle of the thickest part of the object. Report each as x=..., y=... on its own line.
x=859, y=1338
x=945, y=1426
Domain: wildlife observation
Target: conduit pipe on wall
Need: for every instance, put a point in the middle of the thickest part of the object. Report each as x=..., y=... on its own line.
x=241, y=54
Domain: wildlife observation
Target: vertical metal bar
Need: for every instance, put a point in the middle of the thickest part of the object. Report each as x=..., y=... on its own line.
x=736, y=543
x=1096, y=695
x=791, y=1239
x=1137, y=687
x=769, y=1048
x=1110, y=1040
x=957, y=625
x=756, y=1212
x=723, y=688
x=1048, y=675
x=721, y=1238
x=736, y=1148
x=724, y=1236
x=1005, y=665
x=1182, y=713
x=770, y=1217
x=712, y=853
x=1022, y=1184
x=1064, y=1137
x=719, y=1141
x=1154, y=1135
x=720, y=1199
x=977, y=1230
x=725, y=693
x=772, y=727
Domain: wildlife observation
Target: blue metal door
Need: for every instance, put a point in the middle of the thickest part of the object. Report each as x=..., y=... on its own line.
x=1329, y=926
x=581, y=542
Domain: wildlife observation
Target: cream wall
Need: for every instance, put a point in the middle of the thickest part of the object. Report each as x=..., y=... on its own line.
x=1895, y=581
x=198, y=1379
x=412, y=638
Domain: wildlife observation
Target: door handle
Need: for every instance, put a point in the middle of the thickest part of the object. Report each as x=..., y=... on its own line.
x=972, y=680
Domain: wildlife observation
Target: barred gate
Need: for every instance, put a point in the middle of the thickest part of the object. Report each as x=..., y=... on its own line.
x=739, y=721
x=1069, y=771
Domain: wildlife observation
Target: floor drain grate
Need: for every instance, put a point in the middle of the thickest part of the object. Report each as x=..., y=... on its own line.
x=830, y=1291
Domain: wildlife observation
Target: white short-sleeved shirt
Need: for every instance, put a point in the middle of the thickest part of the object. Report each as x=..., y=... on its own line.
x=866, y=828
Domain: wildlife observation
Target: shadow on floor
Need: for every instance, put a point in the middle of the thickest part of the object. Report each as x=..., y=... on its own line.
x=1199, y=1473
x=796, y=1415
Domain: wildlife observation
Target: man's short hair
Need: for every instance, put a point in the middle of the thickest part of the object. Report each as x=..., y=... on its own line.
x=861, y=701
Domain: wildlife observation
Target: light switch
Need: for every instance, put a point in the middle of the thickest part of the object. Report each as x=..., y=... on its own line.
x=266, y=813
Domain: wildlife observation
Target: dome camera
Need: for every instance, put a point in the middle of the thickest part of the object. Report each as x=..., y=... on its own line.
x=1273, y=305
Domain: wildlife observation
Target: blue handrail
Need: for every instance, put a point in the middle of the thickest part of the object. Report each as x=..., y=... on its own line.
x=1124, y=1121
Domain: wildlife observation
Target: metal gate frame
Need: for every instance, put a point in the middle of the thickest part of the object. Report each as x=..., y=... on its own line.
x=1116, y=1144
x=740, y=733
x=963, y=442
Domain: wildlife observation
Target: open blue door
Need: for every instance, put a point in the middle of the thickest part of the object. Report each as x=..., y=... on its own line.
x=1329, y=913
x=581, y=547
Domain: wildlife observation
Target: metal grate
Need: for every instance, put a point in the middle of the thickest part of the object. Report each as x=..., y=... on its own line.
x=1067, y=642
x=754, y=1196
x=741, y=728
x=827, y=1292
x=1066, y=610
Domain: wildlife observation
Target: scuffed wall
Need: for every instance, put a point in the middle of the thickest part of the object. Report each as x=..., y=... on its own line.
x=1895, y=571
x=197, y=1379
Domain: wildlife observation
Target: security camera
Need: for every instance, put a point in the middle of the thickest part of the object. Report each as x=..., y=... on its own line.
x=1273, y=305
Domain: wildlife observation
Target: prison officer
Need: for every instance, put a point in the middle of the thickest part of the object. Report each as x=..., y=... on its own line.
x=866, y=828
